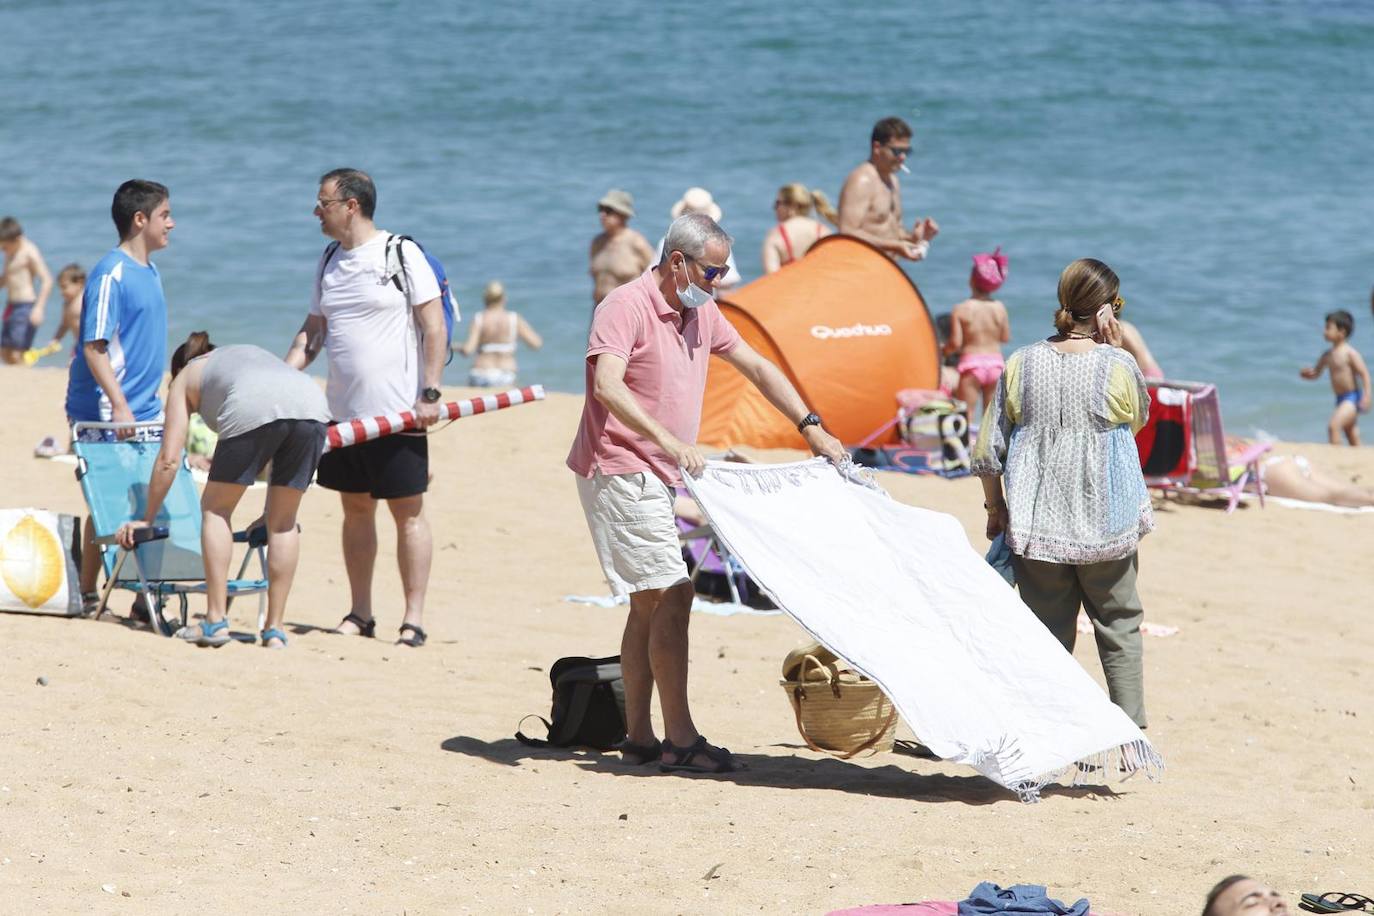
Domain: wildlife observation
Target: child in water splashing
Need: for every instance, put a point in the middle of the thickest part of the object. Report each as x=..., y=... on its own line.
x=978, y=328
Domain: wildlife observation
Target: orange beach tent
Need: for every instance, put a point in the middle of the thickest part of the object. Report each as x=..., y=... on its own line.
x=849, y=329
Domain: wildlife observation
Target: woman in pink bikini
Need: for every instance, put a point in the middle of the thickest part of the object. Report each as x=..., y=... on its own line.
x=978, y=328
x=796, y=230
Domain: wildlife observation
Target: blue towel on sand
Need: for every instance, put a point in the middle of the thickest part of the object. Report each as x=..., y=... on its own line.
x=988, y=898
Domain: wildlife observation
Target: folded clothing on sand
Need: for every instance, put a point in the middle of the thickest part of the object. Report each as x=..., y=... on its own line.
x=987, y=899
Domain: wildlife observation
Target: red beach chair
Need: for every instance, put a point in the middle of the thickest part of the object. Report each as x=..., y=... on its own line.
x=1184, y=448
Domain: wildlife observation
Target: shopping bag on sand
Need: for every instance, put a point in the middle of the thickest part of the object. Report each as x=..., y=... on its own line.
x=38, y=567
x=838, y=710
x=588, y=705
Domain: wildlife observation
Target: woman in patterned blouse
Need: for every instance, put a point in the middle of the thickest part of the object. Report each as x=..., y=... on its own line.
x=1060, y=432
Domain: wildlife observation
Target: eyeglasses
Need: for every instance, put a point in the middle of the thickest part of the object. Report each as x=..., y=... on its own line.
x=709, y=272
x=899, y=151
x=602, y=208
x=322, y=204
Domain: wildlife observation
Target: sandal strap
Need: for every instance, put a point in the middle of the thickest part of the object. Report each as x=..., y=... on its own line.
x=720, y=758
x=273, y=633
x=365, y=627
x=211, y=628
x=646, y=751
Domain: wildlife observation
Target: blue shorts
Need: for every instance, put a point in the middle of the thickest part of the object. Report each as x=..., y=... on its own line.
x=17, y=332
x=1353, y=397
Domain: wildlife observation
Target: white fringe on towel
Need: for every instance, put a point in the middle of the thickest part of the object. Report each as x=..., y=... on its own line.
x=899, y=593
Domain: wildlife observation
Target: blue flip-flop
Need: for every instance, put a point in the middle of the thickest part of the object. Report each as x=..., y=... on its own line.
x=273, y=633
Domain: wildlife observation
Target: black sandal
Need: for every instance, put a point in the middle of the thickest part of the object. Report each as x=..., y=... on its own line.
x=720, y=758
x=366, y=628
x=647, y=753
x=1336, y=902
x=417, y=638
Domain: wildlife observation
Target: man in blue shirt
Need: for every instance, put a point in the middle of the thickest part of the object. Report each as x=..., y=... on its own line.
x=122, y=350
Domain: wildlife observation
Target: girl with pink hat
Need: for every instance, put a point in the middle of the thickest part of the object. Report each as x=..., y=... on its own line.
x=978, y=328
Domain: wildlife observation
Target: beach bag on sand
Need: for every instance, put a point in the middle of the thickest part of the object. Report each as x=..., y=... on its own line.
x=588, y=705
x=40, y=552
x=838, y=710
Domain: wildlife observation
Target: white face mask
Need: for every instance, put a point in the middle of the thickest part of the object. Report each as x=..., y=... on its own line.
x=693, y=297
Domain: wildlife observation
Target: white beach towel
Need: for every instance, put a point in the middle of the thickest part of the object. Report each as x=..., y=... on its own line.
x=899, y=593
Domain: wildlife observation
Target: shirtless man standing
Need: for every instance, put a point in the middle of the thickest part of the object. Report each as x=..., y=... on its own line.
x=23, y=312
x=619, y=254
x=871, y=199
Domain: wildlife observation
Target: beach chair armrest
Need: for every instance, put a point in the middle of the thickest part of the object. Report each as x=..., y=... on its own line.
x=141, y=535
x=254, y=537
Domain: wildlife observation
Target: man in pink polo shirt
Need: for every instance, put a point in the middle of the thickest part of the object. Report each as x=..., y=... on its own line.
x=647, y=352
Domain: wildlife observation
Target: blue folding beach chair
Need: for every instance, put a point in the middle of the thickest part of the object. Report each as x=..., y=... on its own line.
x=167, y=561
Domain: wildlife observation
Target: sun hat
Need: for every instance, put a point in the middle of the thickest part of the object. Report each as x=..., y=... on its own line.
x=989, y=270
x=697, y=200
x=622, y=202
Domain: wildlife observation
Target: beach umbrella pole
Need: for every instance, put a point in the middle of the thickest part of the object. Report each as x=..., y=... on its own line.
x=351, y=432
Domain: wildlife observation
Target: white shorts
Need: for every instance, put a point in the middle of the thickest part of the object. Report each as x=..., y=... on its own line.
x=631, y=520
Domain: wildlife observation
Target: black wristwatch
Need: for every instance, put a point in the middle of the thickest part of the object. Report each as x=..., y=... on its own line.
x=811, y=419
x=431, y=395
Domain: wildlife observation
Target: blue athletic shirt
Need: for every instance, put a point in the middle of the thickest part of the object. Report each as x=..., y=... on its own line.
x=122, y=304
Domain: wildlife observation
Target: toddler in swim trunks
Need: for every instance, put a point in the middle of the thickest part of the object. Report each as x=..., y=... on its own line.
x=1349, y=378
x=978, y=328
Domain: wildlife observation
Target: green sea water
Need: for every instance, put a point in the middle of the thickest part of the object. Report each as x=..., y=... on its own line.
x=1217, y=154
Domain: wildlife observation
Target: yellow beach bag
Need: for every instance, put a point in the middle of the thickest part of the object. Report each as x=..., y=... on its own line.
x=838, y=710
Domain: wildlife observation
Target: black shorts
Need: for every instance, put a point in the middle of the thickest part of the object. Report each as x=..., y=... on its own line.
x=293, y=447
x=392, y=467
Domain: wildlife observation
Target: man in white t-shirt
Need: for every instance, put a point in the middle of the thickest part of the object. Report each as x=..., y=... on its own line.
x=380, y=318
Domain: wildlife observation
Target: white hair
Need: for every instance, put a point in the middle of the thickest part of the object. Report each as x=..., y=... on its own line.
x=690, y=233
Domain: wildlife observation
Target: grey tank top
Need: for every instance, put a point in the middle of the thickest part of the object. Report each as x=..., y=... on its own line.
x=243, y=387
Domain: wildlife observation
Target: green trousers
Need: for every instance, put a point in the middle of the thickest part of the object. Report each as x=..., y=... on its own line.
x=1055, y=591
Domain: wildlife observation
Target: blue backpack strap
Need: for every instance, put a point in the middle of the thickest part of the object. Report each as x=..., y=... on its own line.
x=393, y=242
x=329, y=251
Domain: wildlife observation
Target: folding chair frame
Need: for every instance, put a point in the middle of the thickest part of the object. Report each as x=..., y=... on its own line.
x=1207, y=439
x=156, y=592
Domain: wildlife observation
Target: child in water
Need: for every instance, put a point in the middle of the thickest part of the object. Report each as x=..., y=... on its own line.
x=1349, y=378
x=978, y=328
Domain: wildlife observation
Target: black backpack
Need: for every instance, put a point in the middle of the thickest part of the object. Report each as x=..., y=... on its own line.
x=588, y=705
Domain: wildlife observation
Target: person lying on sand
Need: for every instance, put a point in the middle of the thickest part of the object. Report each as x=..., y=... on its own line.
x=1294, y=477
x=1241, y=895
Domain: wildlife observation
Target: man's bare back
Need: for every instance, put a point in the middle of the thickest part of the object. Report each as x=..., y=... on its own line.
x=617, y=259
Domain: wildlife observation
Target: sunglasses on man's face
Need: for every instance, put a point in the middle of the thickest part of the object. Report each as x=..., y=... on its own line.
x=607, y=210
x=709, y=272
x=900, y=152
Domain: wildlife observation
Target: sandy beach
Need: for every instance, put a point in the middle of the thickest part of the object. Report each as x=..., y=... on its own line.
x=355, y=776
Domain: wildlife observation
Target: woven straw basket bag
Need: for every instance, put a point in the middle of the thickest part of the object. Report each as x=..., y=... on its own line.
x=838, y=710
